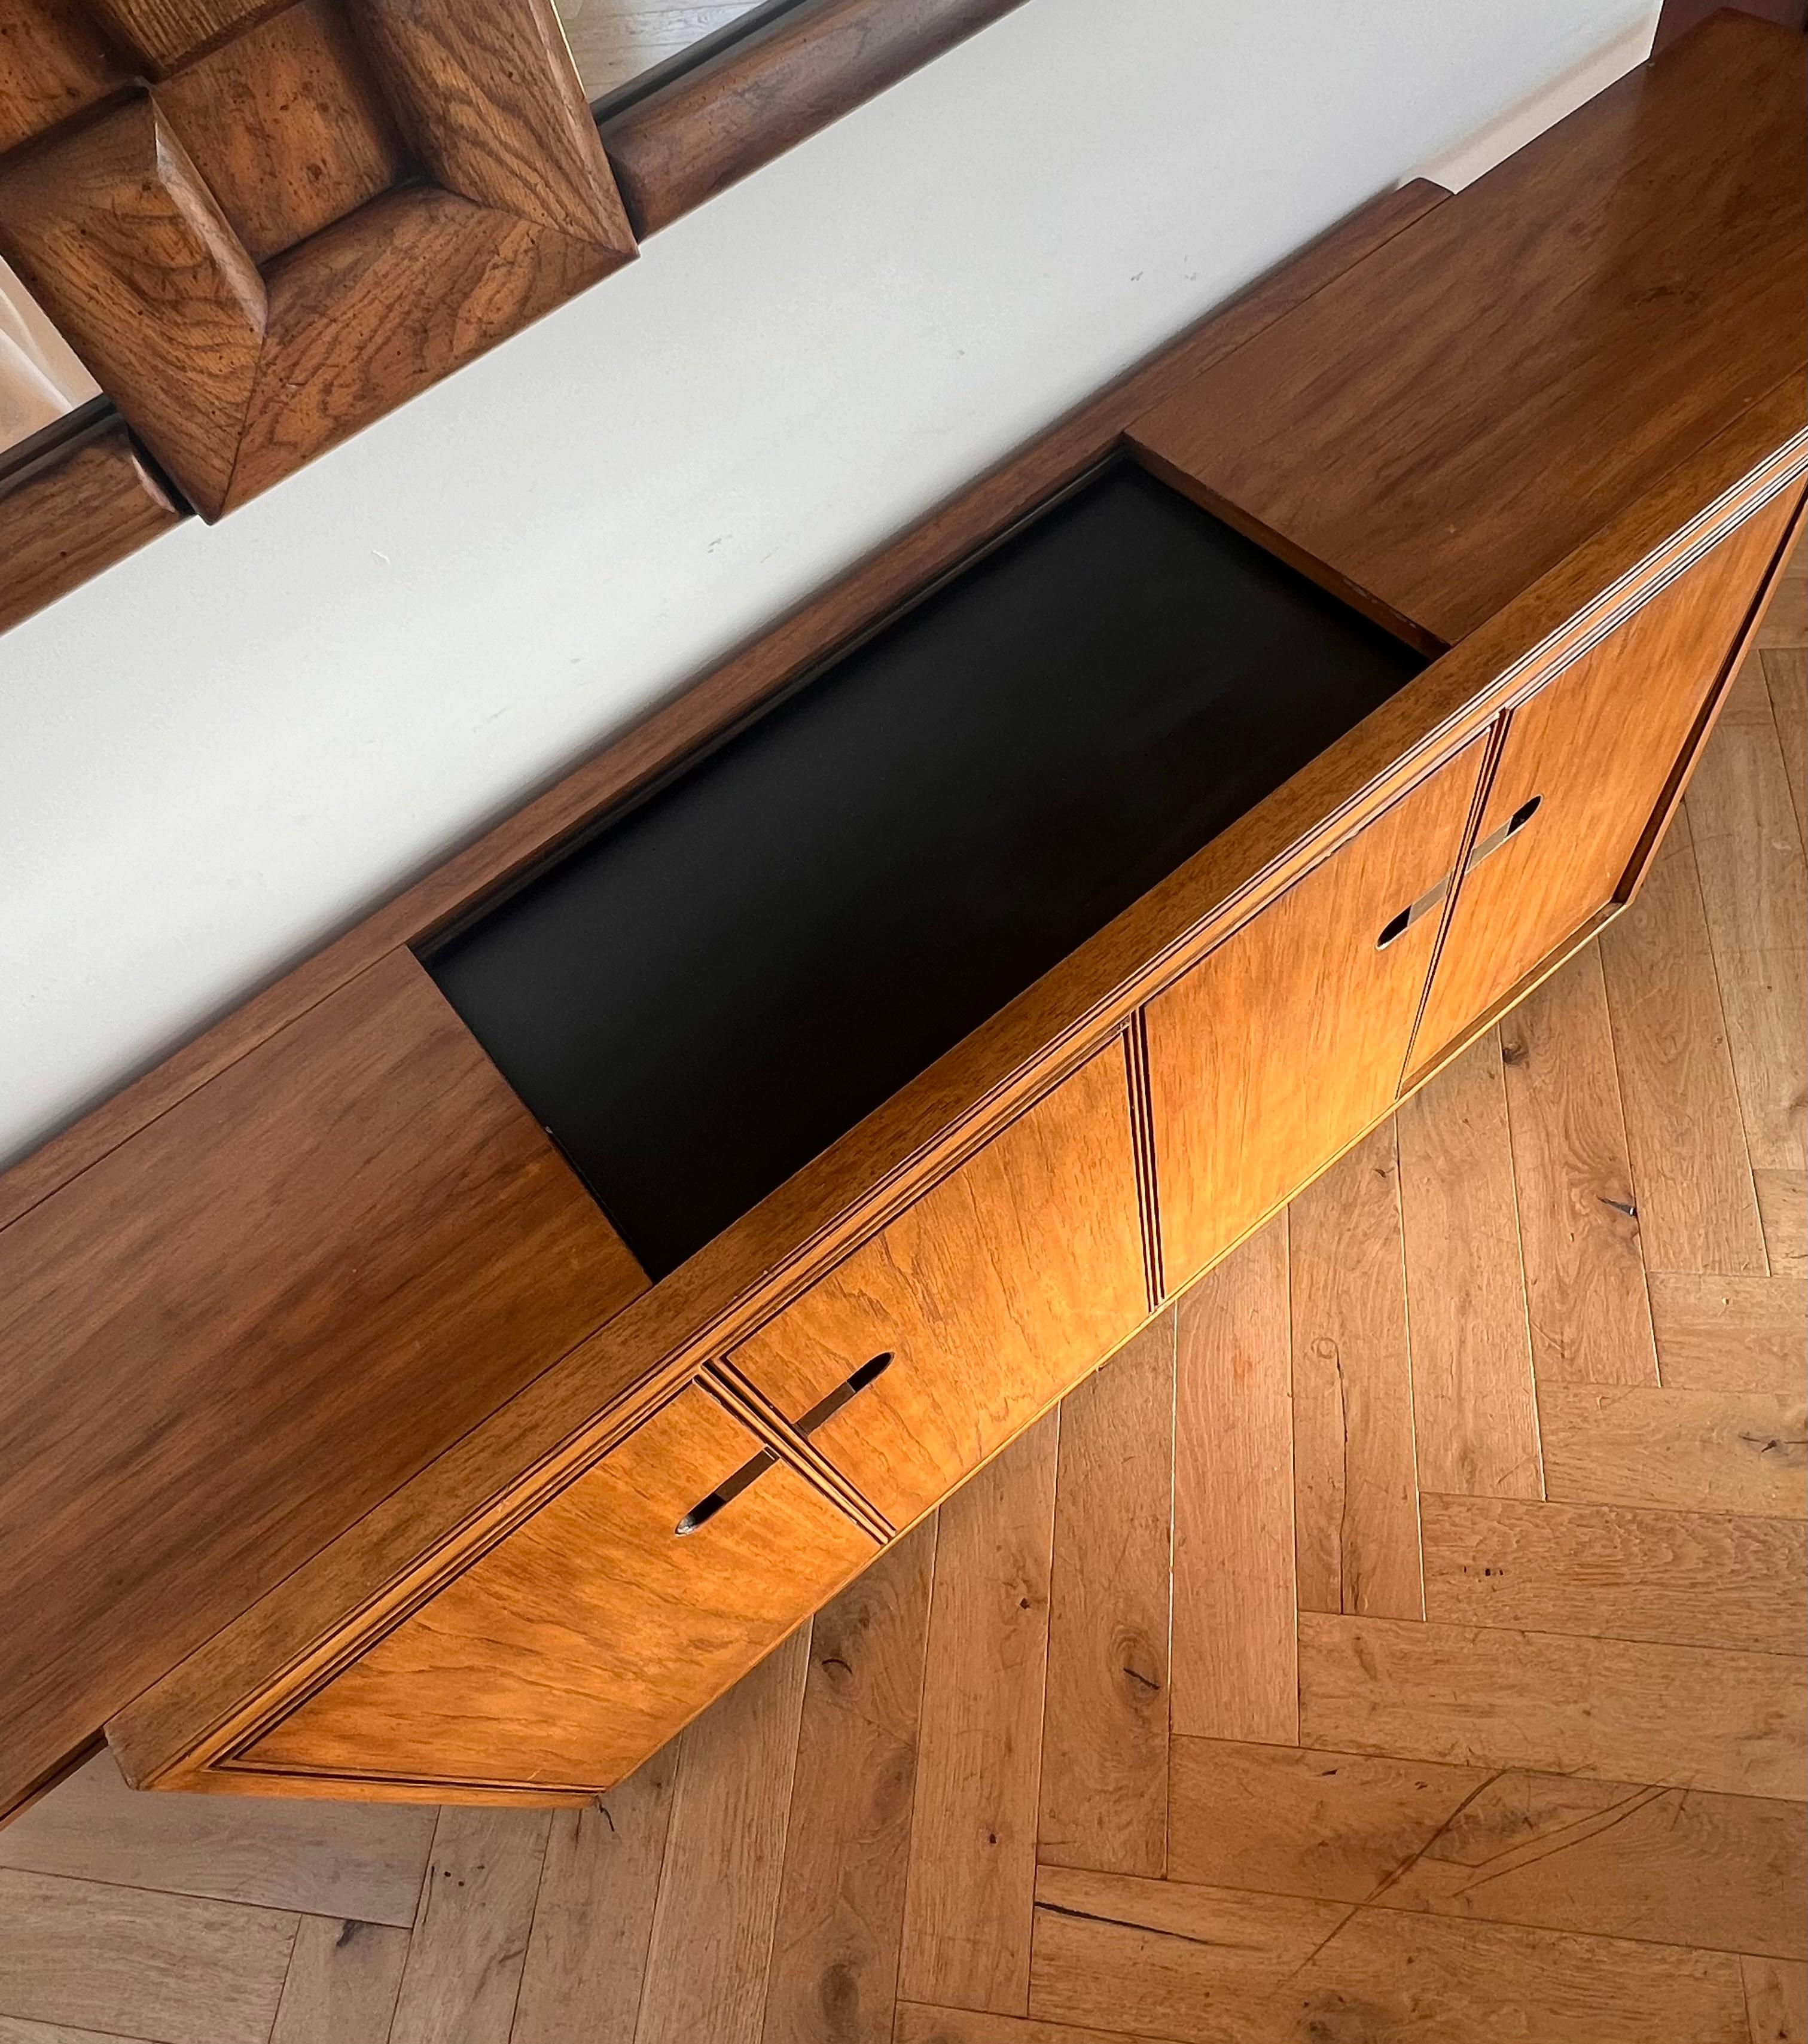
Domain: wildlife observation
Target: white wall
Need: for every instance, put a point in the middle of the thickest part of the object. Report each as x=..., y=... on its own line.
x=230, y=747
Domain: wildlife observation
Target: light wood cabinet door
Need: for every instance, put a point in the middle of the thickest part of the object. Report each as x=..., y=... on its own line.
x=1584, y=766
x=583, y=1640
x=1283, y=1044
x=992, y=1295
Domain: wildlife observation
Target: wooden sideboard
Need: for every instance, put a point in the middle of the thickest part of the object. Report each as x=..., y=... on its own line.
x=366, y=1431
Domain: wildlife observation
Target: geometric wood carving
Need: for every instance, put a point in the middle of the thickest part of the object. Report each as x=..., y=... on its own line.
x=110, y=226
x=242, y=252
x=53, y=62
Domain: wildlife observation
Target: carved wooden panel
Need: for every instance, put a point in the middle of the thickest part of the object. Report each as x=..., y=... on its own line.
x=222, y=207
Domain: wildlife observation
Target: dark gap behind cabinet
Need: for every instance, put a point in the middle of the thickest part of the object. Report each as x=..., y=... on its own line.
x=728, y=975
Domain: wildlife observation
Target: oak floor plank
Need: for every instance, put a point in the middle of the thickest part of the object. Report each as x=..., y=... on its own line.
x=174, y=1969
x=1672, y=1866
x=967, y=1916
x=920, y=2024
x=1234, y=1604
x=1585, y=1283
x=1747, y=844
x=718, y=1897
x=1731, y=1334
x=1613, y=1709
x=1208, y=1965
x=342, y=1979
x=1691, y=1175
x=470, y=1930
x=1166, y=1959
x=833, y=1976
x=1686, y=1450
x=593, y=1918
x=12, y=2030
x=1776, y=2001
x=1283, y=1820
x=1678, y=1578
x=1355, y=1470
x=1782, y=1207
x=1786, y=678
x=359, y=1861
x=1104, y=1796
x=1473, y=1408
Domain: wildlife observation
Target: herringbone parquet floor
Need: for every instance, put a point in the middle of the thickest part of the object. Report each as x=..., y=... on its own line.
x=1403, y=1638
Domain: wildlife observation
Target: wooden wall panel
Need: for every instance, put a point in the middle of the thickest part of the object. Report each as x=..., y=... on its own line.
x=52, y=64
x=203, y=1385
x=71, y=517
x=286, y=126
x=112, y=229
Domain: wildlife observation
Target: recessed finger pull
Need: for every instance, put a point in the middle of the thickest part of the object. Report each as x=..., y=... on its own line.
x=1486, y=847
x=755, y=1466
x=1397, y=926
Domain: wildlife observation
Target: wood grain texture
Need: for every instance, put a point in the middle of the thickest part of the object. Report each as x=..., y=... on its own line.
x=593, y=1917
x=1691, y=1451
x=1692, y=1175
x=1355, y=1470
x=362, y=1861
x=188, y=1972
x=1598, y=778
x=839, y=1929
x=1682, y=1578
x=1782, y=1207
x=1748, y=845
x=1233, y=1582
x=1610, y=1859
x=1786, y=680
x=1283, y=1820
x=1587, y=1307
x=52, y=64
x=286, y=125
x=114, y=231
x=1440, y=444
x=1670, y=1866
x=995, y=1293
x=966, y=1921
x=1776, y=2000
x=710, y=127
x=1608, y=1709
x=1206, y=1965
x=494, y=108
x=719, y=1895
x=344, y=1976
x=1731, y=1334
x=1104, y=1732
x=154, y=1507
x=385, y=302
x=1288, y=1037
x=160, y=33
x=1474, y=1412
x=465, y=1959
x=576, y=1646
x=718, y=698
x=69, y=519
